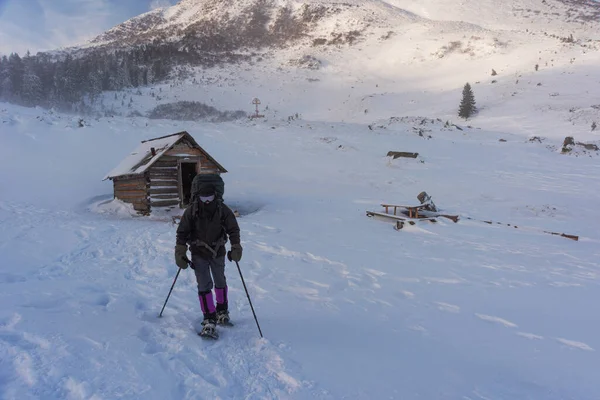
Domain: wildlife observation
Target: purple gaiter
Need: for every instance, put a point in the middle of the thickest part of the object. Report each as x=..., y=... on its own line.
x=221, y=294
x=207, y=303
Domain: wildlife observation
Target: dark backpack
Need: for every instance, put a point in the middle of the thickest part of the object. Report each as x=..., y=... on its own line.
x=202, y=180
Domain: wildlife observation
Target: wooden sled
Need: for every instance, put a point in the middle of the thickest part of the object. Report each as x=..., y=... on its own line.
x=399, y=219
x=416, y=212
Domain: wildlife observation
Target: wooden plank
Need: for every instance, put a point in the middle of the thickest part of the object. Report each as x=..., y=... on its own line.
x=132, y=199
x=162, y=180
x=129, y=188
x=411, y=211
x=128, y=177
x=183, y=145
x=164, y=203
x=432, y=214
x=172, y=171
x=167, y=190
x=162, y=184
x=130, y=193
x=380, y=214
x=453, y=218
x=166, y=174
x=165, y=164
x=209, y=165
x=572, y=237
x=177, y=152
x=205, y=170
x=125, y=182
x=140, y=185
x=396, y=154
x=182, y=155
x=131, y=196
x=163, y=169
x=129, y=182
x=401, y=206
x=165, y=196
x=430, y=217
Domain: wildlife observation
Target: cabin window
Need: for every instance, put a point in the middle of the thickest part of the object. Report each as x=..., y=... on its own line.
x=188, y=172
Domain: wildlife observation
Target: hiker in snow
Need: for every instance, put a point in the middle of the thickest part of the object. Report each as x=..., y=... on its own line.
x=205, y=226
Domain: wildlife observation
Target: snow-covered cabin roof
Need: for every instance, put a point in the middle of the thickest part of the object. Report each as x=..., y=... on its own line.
x=141, y=158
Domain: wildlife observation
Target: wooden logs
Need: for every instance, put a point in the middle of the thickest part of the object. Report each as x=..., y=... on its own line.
x=397, y=154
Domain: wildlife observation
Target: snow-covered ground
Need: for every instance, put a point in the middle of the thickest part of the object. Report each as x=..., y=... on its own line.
x=349, y=307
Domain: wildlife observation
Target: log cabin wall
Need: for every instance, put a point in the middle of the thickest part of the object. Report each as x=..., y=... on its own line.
x=206, y=166
x=133, y=190
x=163, y=176
x=187, y=149
x=182, y=150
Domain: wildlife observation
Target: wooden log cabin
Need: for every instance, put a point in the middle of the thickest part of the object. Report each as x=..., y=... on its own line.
x=160, y=171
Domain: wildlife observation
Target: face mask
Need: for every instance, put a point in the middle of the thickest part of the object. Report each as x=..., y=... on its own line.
x=207, y=199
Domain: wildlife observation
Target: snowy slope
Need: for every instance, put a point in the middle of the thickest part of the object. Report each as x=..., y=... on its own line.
x=406, y=75
x=553, y=16
x=175, y=22
x=350, y=308
x=411, y=58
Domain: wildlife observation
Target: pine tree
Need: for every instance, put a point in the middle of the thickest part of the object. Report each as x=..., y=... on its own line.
x=32, y=89
x=94, y=82
x=467, y=104
x=16, y=70
x=5, y=83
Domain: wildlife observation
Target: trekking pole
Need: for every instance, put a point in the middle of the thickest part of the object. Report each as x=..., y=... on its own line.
x=169, y=295
x=249, y=301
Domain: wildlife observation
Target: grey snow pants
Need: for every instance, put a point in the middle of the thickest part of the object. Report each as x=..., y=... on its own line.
x=204, y=267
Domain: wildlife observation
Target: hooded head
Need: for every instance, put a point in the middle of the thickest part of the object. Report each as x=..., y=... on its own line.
x=207, y=194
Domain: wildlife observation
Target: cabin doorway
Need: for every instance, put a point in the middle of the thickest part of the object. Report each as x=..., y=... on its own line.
x=188, y=172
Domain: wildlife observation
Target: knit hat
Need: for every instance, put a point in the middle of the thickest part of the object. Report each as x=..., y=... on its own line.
x=206, y=190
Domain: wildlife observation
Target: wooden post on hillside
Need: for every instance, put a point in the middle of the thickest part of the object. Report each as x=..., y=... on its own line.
x=256, y=102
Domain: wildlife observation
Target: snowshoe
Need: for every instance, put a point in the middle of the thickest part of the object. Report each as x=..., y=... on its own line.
x=223, y=318
x=209, y=330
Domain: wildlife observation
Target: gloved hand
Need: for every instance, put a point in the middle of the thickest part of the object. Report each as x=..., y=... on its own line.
x=235, y=254
x=181, y=256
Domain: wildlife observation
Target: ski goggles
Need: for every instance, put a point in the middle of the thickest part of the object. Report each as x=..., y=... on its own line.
x=207, y=199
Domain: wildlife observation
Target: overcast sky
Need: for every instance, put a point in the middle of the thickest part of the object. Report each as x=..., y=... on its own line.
x=37, y=25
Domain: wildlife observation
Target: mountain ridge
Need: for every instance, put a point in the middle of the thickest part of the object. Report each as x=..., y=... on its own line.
x=188, y=16
x=353, y=59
